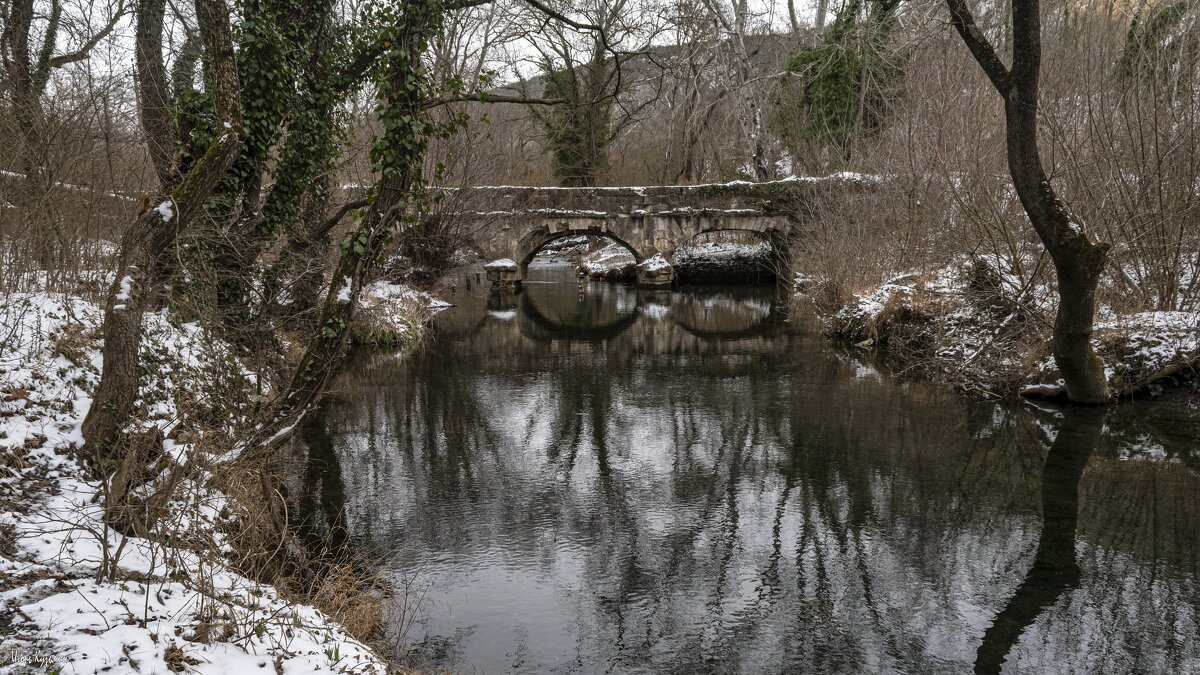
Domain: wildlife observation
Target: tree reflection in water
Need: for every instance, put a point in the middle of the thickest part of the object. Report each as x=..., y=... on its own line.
x=1055, y=568
x=642, y=481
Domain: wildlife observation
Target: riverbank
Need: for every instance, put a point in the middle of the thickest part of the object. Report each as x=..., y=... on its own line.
x=974, y=325
x=700, y=262
x=211, y=581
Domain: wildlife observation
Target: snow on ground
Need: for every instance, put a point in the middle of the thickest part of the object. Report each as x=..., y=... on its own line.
x=384, y=290
x=615, y=261
x=400, y=309
x=501, y=264
x=714, y=251
x=611, y=260
x=1143, y=345
x=655, y=263
x=576, y=245
x=975, y=323
x=164, y=607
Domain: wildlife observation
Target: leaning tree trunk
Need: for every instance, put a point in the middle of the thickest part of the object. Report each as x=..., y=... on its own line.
x=400, y=153
x=1078, y=261
x=155, y=230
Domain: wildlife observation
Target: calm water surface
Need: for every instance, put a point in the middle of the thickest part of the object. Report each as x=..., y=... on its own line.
x=631, y=481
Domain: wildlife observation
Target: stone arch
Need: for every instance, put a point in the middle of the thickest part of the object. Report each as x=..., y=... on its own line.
x=765, y=235
x=534, y=241
x=548, y=329
x=765, y=229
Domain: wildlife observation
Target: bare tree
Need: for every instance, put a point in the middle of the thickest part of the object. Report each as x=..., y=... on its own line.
x=1078, y=260
x=594, y=73
x=156, y=229
x=734, y=22
x=29, y=59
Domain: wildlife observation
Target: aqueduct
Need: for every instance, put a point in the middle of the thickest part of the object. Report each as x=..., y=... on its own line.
x=514, y=223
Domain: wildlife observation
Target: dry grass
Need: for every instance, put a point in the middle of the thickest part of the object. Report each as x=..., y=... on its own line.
x=346, y=585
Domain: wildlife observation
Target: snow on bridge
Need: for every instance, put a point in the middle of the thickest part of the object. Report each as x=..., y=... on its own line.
x=510, y=222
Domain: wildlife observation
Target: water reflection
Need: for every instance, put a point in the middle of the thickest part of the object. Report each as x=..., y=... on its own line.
x=1055, y=567
x=623, y=481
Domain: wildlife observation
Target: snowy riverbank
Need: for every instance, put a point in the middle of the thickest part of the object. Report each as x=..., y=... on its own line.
x=974, y=324
x=701, y=262
x=77, y=595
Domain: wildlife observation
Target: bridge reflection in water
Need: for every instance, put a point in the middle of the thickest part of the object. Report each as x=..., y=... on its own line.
x=689, y=481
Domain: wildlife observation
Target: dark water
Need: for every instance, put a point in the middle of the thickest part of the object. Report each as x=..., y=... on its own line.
x=635, y=481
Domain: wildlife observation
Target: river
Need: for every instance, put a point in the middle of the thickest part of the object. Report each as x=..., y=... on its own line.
x=613, y=480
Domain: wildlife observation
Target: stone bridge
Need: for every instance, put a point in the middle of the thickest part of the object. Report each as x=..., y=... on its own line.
x=510, y=225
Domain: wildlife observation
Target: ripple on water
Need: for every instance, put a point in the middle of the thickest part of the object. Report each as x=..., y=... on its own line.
x=684, y=481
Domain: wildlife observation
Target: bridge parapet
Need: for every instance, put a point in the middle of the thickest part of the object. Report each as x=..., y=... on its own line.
x=516, y=222
x=773, y=198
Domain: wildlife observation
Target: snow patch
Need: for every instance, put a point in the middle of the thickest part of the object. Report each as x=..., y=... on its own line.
x=166, y=210
x=347, y=288
x=655, y=263
x=163, y=606
x=501, y=264
x=123, y=292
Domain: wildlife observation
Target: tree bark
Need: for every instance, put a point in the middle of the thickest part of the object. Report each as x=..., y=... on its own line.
x=1078, y=261
x=152, y=234
x=153, y=94
x=403, y=147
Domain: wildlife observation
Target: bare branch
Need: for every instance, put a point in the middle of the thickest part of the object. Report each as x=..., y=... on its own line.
x=466, y=4
x=490, y=98
x=977, y=42
x=548, y=11
x=84, y=51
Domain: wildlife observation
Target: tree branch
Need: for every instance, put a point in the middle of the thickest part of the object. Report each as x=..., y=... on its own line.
x=41, y=70
x=977, y=42
x=490, y=98
x=83, y=52
x=354, y=72
x=332, y=222
x=536, y=4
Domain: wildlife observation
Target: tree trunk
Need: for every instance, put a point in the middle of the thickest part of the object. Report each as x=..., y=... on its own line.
x=151, y=235
x=154, y=112
x=1078, y=261
x=403, y=150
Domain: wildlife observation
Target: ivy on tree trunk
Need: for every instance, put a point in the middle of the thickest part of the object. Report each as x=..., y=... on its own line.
x=396, y=201
x=156, y=229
